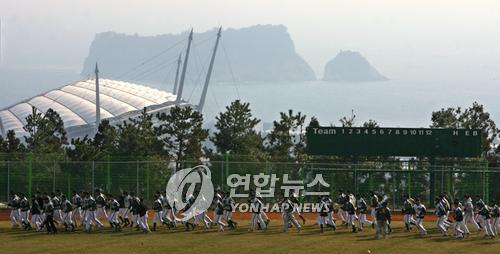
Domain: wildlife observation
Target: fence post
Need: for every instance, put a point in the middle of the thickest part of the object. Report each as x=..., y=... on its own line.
x=68, y=177
x=147, y=180
x=432, y=179
x=487, y=183
x=393, y=187
x=8, y=179
x=222, y=184
x=137, y=179
x=442, y=179
x=93, y=183
x=54, y=177
x=30, y=172
x=227, y=164
x=108, y=175
x=355, y=177
x=409, y=178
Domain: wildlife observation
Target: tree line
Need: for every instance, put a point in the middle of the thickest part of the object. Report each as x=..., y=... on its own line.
x=179, y=135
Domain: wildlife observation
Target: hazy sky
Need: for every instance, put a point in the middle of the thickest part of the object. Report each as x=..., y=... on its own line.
x=430, y=38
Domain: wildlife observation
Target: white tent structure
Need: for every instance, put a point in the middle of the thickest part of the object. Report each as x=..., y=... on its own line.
x=76, y=104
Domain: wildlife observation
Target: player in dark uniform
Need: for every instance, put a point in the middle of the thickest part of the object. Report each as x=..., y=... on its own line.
x=408, y=211
x=77, y=202
x=24, y=207
x=219, y=213
x=48, y=223
x=342, y=200
x=495, y=214
x=374, y=202
x=362, y=209
x=323, y=212
x=134, y=209
x=142, y=211
x=420, y=211
x=158, y=209
x=228, y=204
x=56, y=202
x=114, y=212
x=485, y=213
x=14, y=210
x=458, y=215
x=67, y=213
x=383, y=216
x=36, y=212
x=100, y=200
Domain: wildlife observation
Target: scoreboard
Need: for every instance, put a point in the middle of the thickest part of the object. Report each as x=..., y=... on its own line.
x=423, y=142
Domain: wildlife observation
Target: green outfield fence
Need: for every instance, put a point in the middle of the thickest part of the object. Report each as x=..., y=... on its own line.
x=423, y=179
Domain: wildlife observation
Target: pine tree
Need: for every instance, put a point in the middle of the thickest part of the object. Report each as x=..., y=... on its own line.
x=182, y=133
x=287, y=139
x=236, y=132
x=137, y=137
x=46, y=133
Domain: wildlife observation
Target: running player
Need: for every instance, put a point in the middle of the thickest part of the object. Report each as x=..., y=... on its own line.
x=287, y=208
x=420, y=211
x=158, y=210
x=67, y=214
x=114, y=213
x=256, y=210
x=36, y=211
x=362, y=208
x=228, y=204
x=469, y=212
x=24, y=211
x=374, y=202
x=77, y=201
x=14, y=209
x=100, y=200
x=459, y=227
x=408, y=211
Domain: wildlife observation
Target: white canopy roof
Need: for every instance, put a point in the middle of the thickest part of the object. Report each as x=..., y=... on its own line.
x=75, y=103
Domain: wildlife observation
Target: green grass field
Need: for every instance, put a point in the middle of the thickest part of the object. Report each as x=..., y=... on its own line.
x=240, y=241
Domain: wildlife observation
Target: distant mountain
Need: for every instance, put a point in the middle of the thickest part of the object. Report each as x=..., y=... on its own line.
x=351, y=66
x=257, y=53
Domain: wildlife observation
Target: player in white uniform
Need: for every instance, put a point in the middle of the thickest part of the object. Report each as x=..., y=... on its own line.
x=14, y=209
x=158, y=211
x=202, y=216
x=459, y=226
x=408, y=211
x=67, y=214
x=24, y=211
x=374, y=202
x=485, y=213
x=100, y=201
x=36, y=211
x=256, y=210
x=287, y=208
x=420, y=211
x=114, y=213
x=469, y=212
x=219, y=213
x=56, y=202
x=323, y=212
x=441, y=214
x=295, y=200
x=362, y=209
x=91, y=218
x=77, y=202
x=228, y=204
x=342, y=200
x=495, y=217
